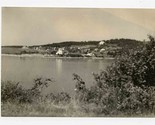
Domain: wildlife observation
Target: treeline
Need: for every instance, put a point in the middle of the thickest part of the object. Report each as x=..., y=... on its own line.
x=130, y=43
x=16, y=47
x=120, y=42
x=70, y=43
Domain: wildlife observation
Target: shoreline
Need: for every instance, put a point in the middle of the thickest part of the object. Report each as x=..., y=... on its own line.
x=53, y=56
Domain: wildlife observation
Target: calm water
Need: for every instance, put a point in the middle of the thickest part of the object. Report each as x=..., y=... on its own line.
x=25, y=69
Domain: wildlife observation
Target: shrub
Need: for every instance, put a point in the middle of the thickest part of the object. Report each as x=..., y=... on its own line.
x=80, y=89
x=9, y=90
x=127, y=86
x=59, y=98
x=14, y=92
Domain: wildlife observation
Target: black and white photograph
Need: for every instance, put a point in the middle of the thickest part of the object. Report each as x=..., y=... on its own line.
x=77, y=62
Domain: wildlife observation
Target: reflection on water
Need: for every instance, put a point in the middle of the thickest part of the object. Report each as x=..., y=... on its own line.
x=59, y=66
x=25, y=69
x=100, y=65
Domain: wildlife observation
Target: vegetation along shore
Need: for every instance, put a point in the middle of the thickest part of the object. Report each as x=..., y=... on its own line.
x=124, y=89
x=100, y=49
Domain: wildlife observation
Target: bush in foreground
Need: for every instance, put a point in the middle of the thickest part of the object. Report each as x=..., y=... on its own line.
x=127, y=87
x=14, y=92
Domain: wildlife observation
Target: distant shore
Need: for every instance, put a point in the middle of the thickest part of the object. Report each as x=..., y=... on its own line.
x=53, y=56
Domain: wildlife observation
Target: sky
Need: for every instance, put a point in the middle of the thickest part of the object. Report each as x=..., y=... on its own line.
x=37, y=26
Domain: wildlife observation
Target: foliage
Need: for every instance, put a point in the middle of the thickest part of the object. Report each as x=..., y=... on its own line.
x=125, y=87
x=70, y=43
x=138, y=65
x=11, y=91
x=59, y=98
x=80, y=89
x=124, y=43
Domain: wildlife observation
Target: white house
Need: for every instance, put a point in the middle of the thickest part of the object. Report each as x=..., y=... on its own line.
x=38, y=48
x=90, y=54
x=102, y=50
x=101, y=43
x=60, y=51
x=25, y=47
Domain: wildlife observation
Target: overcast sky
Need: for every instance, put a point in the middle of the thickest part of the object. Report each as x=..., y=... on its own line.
x=32, y=26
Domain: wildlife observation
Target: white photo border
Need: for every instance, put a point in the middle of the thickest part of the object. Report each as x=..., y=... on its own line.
x=139, y=4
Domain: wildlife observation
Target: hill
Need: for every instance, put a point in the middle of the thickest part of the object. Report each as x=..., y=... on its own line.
x=110, y=47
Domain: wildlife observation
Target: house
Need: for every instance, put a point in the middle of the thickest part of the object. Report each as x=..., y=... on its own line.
x=25, y=47
x=102, y=50
x=38, y=48
x=101, y=43
x=96, y=49
x=89, y=54
x=61, y=51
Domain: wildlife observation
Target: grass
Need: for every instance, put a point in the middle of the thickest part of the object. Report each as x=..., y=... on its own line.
x=48, y=109
x=43, y=109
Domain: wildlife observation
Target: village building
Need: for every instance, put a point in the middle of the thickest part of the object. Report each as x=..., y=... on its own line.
x=61, y=51
x=25, y=47
x=101, y=43
x=89, y=54
x=102, y=50
x=38, y=48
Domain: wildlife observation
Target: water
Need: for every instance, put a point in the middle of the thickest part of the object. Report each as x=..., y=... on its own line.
x=26, y=69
